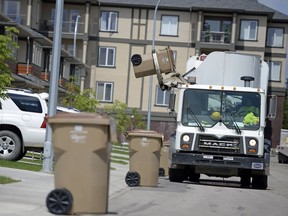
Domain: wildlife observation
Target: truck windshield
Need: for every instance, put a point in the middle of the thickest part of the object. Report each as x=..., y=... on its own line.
x=236, y=110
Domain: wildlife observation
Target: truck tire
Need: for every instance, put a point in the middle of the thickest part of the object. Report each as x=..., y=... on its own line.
x=176, y=175
x=245, y=181
x=10, y=146
x=194, y=177
x=260, y=182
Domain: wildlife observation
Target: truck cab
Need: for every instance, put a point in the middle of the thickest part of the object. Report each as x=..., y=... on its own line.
x=215, y=135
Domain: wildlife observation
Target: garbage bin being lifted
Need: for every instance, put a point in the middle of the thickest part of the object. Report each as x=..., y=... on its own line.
x=144, y=158
x=82, y=146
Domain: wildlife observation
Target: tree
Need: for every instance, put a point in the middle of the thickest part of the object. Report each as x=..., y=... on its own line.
x=84, y=101
x=136, y=120
x=124, y=121
x=7, y=47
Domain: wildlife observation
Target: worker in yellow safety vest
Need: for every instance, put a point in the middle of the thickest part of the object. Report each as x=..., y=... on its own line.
x=249, y=112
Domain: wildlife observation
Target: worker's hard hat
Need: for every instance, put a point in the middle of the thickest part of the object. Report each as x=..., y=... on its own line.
x=216, y=116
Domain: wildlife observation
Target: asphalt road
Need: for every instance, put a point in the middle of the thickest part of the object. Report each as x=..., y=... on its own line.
x=211, y=197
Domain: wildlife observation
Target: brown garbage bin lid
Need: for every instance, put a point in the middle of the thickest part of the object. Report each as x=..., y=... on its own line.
x=79, y=118
x=146, y=133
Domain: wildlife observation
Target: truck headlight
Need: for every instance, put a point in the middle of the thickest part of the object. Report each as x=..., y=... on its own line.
x=186, y=138
x=186, y=141
x=252, y=142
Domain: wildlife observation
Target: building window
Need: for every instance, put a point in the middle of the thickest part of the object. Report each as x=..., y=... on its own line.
x=104, y=91
x=248, y=30
x=162, y=97
x=106, y=57
x=274, y=37
x=109, y=21
x=12, y=10
x=169, y=25
x=73, y=17
x=66, y=70
x=274, y=71
x=64, y=19
x=37, y=54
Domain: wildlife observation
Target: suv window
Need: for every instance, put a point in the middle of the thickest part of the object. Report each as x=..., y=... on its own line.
x=26, y=103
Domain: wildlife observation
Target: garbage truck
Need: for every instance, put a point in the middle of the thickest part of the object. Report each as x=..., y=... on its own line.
x=214, y=135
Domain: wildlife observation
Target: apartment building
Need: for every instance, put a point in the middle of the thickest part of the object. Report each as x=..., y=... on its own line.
x=109, y=32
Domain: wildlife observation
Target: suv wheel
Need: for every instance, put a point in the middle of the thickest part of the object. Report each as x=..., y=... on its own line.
x=10, y=145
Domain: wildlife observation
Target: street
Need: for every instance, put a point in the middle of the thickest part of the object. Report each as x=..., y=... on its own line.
x=210, y=197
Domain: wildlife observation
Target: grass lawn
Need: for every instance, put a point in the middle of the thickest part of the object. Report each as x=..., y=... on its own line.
x=7, y=180
x=33, y=162
x=20, y=165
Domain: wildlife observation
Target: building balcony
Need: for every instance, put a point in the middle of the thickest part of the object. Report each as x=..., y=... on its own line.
x=46, y=76
x=31, y=69
x=68, y=27
x=216, y=37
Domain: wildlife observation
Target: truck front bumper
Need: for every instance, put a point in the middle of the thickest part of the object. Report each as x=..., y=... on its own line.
x=209, y=160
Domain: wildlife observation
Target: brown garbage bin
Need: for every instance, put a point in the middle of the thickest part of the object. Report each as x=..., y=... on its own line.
x=144, y=158
x=164, y=158
x=82, y=145
x=144, y=65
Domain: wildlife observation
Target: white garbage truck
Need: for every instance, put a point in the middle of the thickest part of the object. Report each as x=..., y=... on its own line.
x=223, y=109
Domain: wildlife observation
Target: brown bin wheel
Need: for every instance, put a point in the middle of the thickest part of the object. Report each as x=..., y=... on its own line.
x=132, y=179
x=59, y=201
x=136, y=59
x=161, y=171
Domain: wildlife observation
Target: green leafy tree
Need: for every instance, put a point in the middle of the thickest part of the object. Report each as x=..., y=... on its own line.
x=118, y=112
x=124, y=121
x=84, y=101
x=7, y=47
x=137, y=121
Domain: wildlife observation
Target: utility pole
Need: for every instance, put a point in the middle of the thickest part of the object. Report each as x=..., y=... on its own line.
x=151, y=77
x=53, y=86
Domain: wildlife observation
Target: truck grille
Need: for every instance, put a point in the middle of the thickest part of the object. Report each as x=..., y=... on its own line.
x=219, y=145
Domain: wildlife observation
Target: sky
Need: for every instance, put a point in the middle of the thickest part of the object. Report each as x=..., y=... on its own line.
x=281, y=6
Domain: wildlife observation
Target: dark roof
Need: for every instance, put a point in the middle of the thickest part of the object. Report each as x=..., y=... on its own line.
x=242, y=6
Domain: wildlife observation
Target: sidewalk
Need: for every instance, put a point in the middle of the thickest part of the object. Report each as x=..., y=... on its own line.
x=28, y=197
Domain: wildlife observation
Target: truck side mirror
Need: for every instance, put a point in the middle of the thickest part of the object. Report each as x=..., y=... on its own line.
x=272, y=107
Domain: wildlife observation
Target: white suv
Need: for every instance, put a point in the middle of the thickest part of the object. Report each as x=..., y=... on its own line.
x=22, y=123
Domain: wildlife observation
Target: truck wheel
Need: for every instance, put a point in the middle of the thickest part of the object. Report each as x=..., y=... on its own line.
x=260, y=182
x=161, y=171
x=245, y=181
x=176, y=175
x=194, y=177
x=59, y=201
x=132, y=179
x=10, y=145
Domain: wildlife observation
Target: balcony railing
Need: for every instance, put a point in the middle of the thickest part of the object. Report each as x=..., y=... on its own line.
x=67, y=27
x=216, y=37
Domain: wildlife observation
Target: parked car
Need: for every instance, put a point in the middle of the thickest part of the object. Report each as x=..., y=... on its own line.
x=45, y=96
x=22, y=123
